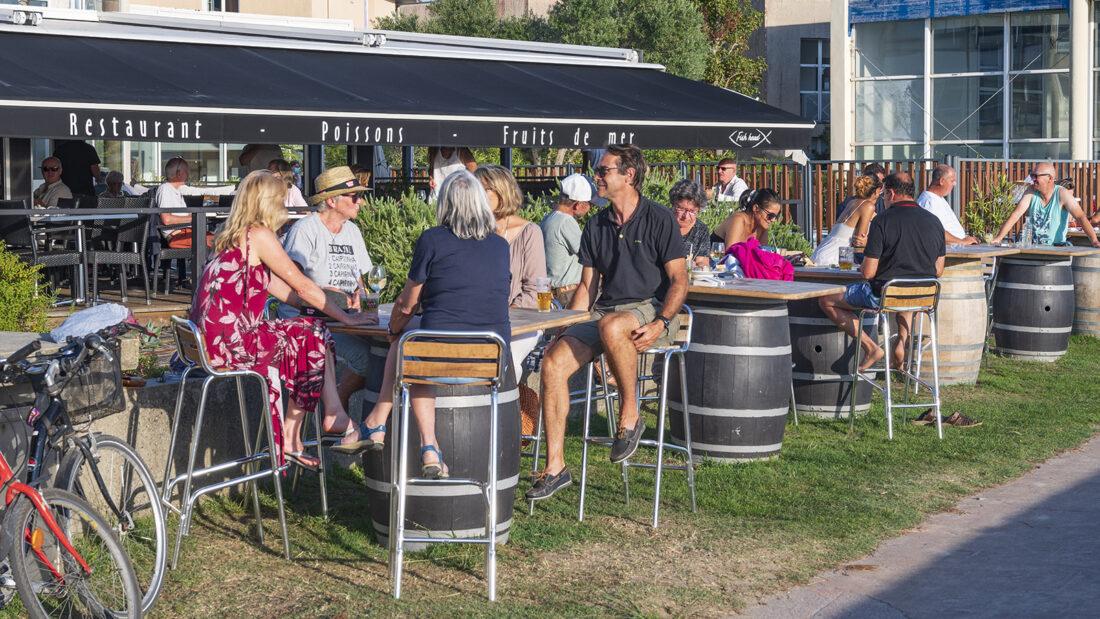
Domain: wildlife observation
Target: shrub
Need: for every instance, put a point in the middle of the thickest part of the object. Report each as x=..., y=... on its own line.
x=988, y=209
x=24, y=298
x=390, y=229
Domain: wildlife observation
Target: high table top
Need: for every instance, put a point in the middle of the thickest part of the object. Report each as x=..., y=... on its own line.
x=763, y=289
x=978, y=252
x=827, y=274
x=523, y=321
x=1067, y=251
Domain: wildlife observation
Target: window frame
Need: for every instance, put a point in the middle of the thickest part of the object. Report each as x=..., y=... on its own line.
x=821, y=93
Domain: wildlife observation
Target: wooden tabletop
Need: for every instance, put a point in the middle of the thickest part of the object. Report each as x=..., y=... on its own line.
x=977, y=252
x=830, y=274
x=523, y=321
x=764, y=289
x=1066, y=251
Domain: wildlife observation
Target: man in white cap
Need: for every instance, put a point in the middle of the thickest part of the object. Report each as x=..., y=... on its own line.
x=562, y=236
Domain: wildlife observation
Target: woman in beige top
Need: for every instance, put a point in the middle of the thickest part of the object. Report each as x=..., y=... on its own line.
x=525, y=245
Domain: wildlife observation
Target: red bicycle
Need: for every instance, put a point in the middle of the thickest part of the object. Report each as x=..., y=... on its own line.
x=63, y=556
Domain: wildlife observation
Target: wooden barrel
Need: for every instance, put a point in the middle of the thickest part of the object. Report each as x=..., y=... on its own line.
x=462, y=428
x=822, y=358
x=1086, y=287
x=960, y=324
x=738, y=380
x=1033, y=308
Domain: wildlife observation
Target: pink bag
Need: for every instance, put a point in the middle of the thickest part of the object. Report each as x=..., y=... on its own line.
x=760, y=264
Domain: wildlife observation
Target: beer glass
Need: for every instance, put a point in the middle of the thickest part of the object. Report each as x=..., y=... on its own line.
x=847, y=257
x=545, y=295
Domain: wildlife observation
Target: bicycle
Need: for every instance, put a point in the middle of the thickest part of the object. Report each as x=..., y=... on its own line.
x=103, y=469
x=63, y=556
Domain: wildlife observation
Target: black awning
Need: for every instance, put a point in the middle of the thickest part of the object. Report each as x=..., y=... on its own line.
x=98, y=88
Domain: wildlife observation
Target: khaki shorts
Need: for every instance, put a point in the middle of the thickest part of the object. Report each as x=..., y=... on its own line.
x=588, y=333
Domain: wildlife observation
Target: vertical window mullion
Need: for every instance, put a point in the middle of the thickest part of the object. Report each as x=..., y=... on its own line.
x=1007, y=61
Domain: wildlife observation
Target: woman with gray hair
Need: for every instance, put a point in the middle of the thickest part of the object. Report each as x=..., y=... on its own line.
x=460, y=278
x=688, y=199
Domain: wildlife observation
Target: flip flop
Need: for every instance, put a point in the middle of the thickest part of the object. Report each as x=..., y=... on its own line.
x=299, y=458
x=432, y=470
x=364, y=443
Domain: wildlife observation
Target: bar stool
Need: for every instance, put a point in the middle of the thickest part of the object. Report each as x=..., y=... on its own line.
x=678, y=349
x=445, y=358
x=920, y=296
x=191, y=349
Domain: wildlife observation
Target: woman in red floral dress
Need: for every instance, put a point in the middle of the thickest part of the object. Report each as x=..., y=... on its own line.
x=248, y=265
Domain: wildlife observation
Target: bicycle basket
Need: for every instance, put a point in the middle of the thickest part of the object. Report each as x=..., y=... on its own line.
x=96, y=391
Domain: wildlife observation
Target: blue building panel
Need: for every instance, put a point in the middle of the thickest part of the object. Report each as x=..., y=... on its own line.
x=862, y=11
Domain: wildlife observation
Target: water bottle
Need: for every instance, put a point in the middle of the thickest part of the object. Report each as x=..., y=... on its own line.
x=1028, y=233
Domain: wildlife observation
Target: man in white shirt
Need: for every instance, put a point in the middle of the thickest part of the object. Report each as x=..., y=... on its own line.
x=933, y=200
x=561, y=236
x=730, y=186
x=53, y=189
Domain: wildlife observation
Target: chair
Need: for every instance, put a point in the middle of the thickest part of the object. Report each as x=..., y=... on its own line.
x=118, y=233
x=13, y=204
x=160, y=250
x=192, y=351
x=226, y=201
x=21, y=237
x=470, y=358
x=678, y=349
x=920, y=296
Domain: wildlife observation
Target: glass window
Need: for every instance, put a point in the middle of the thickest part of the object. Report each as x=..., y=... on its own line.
x=968, y=44
x=1038, y=150
x=809, y=105
x=204, y=160
x=889, y=111
x=144, y=164
x=1040, y=106
x=808, y=51
x=1096, y=104
x=807, y=78
x=889, y=152
x=889, y=48
x=814, y=79
x=110, y=155
x=967, y=108
x=969, y=151
x=1040, y=40
x=40, y=149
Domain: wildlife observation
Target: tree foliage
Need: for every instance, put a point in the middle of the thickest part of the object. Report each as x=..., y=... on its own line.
x=669, y=32
x=728, y=25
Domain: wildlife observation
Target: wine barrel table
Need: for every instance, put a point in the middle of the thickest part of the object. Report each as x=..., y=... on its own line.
x=738, y=368
x=1086, y=288
x=822, y=353
x=462, y=428
x=1033, y=303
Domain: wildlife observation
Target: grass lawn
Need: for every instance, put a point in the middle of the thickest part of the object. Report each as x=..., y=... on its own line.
x=761, y=527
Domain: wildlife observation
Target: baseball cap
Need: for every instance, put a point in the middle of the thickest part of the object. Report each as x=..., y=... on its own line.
x=576, y=187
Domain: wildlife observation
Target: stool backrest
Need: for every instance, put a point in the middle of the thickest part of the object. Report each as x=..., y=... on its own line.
x=682, y=337
x=450, y=358
x=189, y=343
x=910, y=295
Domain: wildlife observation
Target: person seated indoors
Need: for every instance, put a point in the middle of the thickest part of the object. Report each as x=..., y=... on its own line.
x=934, y=201
x=1048, y=207
x=760, y=208
x=116, y=187
x=905, y=241
x=851, y=226
x=688, y=199
x=53, y=188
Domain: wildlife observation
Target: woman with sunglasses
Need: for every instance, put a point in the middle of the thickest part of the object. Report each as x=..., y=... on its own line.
x=759, y=209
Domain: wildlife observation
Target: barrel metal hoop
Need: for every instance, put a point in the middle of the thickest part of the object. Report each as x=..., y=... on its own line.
x=1015, y=286
x=741, y=413
x=838, y=378
x=733, y=449
x=1022, y=329
x=749, y=313
x=960, y=347
x=1036, y=263
x=460, y=401
x=746, y=351
x=441, y=491
x=1043, y=355
x=825, y=322
x=972, y=296
x=501, y=529
x=1078, y=268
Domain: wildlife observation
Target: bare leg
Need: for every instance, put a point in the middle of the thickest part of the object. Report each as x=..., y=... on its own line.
x=562, y=359
x=350, y=382
x=623, y=358
x=423, y=408
x=292, y=431
x=841, y=314
x=905, y=319
x=384, y=406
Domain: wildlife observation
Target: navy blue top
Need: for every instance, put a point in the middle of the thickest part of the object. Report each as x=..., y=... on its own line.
x=466, y=282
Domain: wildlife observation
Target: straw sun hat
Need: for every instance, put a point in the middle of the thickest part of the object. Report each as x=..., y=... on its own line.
x=335, y=182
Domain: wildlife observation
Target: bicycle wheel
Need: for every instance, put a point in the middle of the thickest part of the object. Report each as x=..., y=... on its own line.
x=139, y=521
x=50, y=580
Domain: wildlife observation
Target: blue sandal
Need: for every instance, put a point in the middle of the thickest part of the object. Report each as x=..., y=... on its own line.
x=433, y=470
x=364, y=443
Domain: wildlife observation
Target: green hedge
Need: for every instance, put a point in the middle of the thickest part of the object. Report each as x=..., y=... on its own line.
x=22, y=295
x=391, y=226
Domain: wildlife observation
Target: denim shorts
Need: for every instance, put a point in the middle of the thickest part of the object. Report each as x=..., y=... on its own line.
x=861, y=295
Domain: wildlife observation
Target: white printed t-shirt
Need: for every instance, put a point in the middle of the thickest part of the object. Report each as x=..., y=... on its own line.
x=330, y=260
x=942, y=210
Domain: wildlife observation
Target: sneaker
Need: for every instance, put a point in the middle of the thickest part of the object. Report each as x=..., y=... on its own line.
x=959, y=420
x=546, y=485
x=626, y=442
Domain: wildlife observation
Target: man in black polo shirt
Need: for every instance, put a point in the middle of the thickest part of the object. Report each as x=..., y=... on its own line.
x=632, y=253
x=79, y=166
x=906, y=241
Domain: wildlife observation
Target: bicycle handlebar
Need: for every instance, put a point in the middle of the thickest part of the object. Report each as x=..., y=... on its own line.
x=22, y=353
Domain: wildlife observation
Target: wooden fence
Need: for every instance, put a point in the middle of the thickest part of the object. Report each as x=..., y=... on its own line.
x=981, y=174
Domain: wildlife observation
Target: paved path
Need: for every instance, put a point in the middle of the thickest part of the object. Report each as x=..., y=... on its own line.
x=1030, y=548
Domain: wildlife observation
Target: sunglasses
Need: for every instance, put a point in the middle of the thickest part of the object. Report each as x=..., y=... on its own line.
x=603, y=170
x=769, y=215
x=356, y=197
x=53, y=169
x=727, y=167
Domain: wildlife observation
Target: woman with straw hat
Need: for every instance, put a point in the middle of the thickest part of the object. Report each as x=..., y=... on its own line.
x=248, y=264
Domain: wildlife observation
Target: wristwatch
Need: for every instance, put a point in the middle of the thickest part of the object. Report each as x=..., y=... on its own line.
x=666, y=321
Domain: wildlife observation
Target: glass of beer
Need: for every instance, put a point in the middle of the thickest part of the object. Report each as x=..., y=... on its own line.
x=847, y=258
x=545, y=295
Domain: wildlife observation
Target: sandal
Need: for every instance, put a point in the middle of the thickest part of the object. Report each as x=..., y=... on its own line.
x=432, y=470
x=958, y=420
x=303, y=459
x=364, y=443
x=926, y=418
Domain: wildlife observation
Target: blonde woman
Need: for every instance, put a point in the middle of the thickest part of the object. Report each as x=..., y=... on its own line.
x=852, y=224
x=527, y=252
x=248, y=264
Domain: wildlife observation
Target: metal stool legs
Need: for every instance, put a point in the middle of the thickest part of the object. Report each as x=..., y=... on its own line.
x=317, y=442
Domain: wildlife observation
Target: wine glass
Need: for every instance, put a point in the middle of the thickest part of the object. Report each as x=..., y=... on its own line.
x=717, y=252
x=376, y=279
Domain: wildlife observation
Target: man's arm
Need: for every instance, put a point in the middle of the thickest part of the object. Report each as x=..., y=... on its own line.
x=645, y=335
x=869, y=268
x=1017, y=213
x=952, y=239
x=586, y=290
x=467, y=158
x=939, y=265
x=1070, y=204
